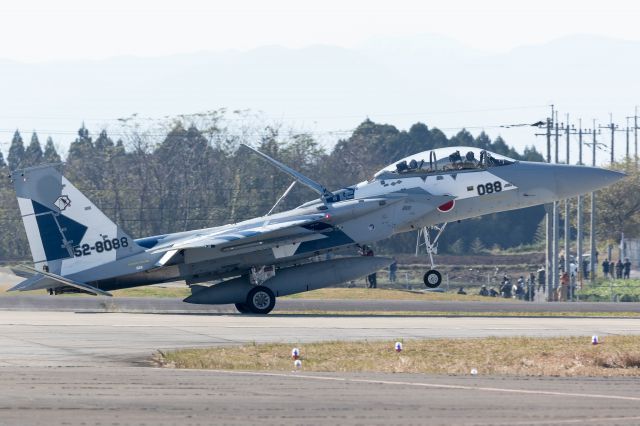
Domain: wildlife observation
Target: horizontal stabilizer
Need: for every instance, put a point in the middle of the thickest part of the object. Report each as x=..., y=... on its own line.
x=35, y=282
x=56, y=278
x=22, y=273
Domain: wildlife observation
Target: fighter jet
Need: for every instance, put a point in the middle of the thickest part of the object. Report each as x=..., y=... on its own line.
x=76, y=248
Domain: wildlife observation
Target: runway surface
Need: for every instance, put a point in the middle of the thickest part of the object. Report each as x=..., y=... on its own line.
x=146, y=396
x=93, y=368
x=172, y=305
x=119, y=339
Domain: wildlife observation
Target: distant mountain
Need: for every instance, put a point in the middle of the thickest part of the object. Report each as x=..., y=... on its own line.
x=428, y=78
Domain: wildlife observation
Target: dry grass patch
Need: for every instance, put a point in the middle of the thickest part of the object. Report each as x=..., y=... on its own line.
x=522, y=356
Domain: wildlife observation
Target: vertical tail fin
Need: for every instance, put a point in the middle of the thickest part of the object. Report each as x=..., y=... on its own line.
x=67, y=233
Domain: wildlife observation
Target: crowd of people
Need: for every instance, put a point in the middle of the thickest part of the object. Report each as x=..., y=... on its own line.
x=521, y=289
x=536, y=282
x=616, y=270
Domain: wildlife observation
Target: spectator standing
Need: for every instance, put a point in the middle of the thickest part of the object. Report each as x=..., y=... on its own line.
x=541, y=279
x=519, y=291
x=627, y=268
x=619, y=268
x=372, y=281
x=585, y=269
x=505, y=288
x=530, y=294
x=605, y=268
x=393, y=268
x=564, y=287
x=573, y=277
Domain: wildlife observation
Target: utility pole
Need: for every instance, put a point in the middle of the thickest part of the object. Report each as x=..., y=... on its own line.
x=635, y=135
x=567, y=222
x=626, y=131
x=548, y=218
x=579, y=223
x=569, y=130
x=553, y=284
x=613, y=128
x=592, y=228
x=548, y=266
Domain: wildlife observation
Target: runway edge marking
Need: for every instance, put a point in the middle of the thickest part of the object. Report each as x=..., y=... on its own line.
x=421, y=384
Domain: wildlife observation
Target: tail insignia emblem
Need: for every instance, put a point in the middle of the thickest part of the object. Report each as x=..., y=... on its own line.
x=63, y=202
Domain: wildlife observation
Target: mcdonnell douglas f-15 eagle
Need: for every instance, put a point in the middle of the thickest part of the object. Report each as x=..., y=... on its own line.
x=76, y=248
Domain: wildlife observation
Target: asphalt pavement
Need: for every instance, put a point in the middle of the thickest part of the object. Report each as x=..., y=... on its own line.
x=151, y=396
x=175, y=305
x=78, y=361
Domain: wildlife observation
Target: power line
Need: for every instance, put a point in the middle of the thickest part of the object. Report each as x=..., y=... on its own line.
x=274, y=117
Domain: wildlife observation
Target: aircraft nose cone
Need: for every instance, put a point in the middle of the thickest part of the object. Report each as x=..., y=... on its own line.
x=579, y=180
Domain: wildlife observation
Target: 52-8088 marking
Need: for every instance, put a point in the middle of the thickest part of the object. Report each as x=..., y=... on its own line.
x=100, y=246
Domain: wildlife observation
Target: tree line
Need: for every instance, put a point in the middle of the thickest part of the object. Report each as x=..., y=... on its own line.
x=188, y=173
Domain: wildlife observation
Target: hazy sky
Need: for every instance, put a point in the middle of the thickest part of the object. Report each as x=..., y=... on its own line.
x=43, y=30
x=329, y=91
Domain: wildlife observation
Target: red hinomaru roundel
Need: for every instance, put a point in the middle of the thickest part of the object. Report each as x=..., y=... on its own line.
x=448, y=206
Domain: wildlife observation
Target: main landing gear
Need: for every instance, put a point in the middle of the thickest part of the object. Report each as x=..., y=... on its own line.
x=260, y=300
x=432, y=278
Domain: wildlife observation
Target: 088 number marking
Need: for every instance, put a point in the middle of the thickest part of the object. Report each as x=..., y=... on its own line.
x=100, y=246
x=489, y=188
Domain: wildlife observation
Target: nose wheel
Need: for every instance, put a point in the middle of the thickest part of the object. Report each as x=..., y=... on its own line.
x=432, y=278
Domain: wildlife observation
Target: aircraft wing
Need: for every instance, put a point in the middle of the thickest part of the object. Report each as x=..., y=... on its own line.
x=235, y=236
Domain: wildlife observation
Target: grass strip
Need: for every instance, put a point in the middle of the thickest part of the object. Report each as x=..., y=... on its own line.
x=514, y=356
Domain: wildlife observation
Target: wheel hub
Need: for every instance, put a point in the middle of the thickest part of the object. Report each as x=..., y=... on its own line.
x=261, y=300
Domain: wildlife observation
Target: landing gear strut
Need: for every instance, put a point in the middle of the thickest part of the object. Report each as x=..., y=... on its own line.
x=432, y=278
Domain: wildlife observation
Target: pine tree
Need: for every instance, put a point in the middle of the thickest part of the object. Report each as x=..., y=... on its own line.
x=50, y=153
x=2, y=162
x=16, y=152
x=33, y=153
x=477, y=247
x=82, y=148
x=103, y=142
x=457, y=247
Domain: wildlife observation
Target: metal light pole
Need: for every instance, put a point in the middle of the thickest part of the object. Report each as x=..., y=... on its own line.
x=554, y=277
x=579, y=223
x=567, y=222
x=592, y=229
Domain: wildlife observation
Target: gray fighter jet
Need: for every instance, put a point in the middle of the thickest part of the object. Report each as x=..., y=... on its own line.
x=76, y=248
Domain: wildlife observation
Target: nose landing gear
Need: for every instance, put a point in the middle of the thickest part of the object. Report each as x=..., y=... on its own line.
x=432, y=278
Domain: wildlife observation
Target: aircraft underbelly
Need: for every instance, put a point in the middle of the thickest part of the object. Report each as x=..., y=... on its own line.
x=474, y=207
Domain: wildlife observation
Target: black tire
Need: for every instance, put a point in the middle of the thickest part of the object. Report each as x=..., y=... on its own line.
x=432, y=279
x=242, y=308
x=260, y=300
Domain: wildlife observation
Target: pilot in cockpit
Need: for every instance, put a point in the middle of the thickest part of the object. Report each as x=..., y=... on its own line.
x=455, y=158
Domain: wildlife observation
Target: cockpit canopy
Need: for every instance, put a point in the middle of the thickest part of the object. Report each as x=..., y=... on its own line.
x=446, y=159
